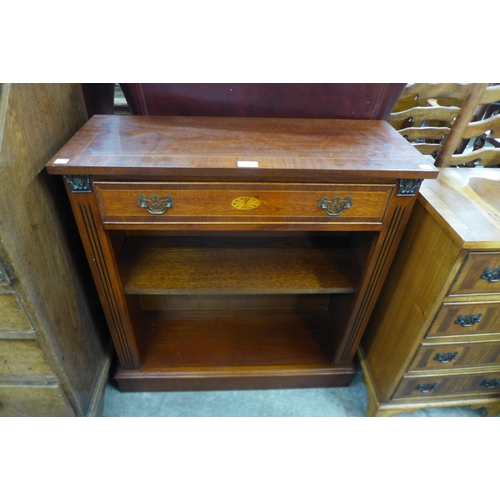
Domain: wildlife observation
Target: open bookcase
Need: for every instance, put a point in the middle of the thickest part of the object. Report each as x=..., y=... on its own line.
x=238, y=253
x=257, y=304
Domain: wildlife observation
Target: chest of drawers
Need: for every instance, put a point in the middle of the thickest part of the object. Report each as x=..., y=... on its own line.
x=44, y=339
x=234, y=253
x=434, y=337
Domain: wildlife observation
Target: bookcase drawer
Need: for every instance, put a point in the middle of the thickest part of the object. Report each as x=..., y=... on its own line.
x=212, y=203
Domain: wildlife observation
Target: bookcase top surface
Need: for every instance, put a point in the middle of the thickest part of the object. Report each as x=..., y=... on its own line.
x=121, y=145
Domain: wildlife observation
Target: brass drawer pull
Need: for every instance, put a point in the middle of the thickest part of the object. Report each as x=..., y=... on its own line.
x=491, y=383
x=426, y=387
x=468, y=319
x=156, y=205
x=336, y=206
x=491, y=275
x=446, y=357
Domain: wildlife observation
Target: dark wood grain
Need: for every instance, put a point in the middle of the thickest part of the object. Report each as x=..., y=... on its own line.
x=234, y=349
x=295, y=377
x=211, y=203
x=170, y=293
x=100, y=248
x=238, y=302
x=233, y=340
x=160, y=145
x=246, y=265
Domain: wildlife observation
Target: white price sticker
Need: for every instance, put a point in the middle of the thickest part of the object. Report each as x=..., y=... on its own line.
x=247, y=164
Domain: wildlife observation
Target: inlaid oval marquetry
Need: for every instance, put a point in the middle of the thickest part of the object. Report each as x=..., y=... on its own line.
x=245, y=203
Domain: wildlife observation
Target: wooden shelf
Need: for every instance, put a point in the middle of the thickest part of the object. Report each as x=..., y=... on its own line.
x=252, y=345
x=220, y=312
x=225, y=265
x=238, y=338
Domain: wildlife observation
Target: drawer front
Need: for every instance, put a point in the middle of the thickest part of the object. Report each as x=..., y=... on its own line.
x=33, y=401
x=441, y=357
x=22, y=357
x=205, y=203
x=466, y=319
x=480, y=273
x=12, y=316
x=431, y=387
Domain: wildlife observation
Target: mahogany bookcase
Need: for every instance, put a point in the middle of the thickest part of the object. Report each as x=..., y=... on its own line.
x=238, y=253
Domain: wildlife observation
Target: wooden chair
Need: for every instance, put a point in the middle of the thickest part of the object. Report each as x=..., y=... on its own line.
x=425, y=112
x=478, y=119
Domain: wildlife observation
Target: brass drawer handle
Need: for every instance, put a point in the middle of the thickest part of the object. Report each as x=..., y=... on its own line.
x=426, y=387
x=468, y=319
x=446, y=357
x=491, y=275
x=336, y=206
x=491, y=383
x=156, y=205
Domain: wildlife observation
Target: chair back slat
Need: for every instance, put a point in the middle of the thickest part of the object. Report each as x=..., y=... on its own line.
x=477, y=125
